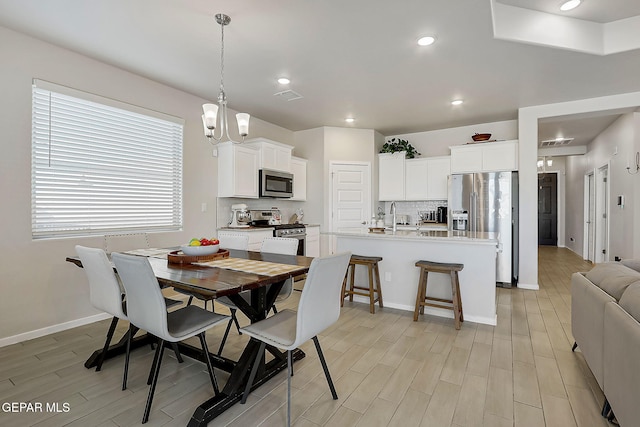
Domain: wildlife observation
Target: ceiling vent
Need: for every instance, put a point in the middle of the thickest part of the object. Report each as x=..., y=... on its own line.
x=556, y=142
x=288, y=95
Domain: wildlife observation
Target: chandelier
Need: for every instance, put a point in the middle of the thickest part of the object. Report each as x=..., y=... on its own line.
x=210, y=116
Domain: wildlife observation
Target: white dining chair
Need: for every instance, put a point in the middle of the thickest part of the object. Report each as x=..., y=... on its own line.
x=284, y=246
x=125, y=242
x=319, y=308
x=237, y=241
x=106, y=293
x=147, y=310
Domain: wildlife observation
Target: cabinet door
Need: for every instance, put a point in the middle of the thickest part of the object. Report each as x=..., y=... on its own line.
x=438, y=171
x=299, y=171
x=500, y=157
x=416, y=179
x=283, y=159
x=245, y=170
x=466, y=159
x=312, y=242
x=391, y=176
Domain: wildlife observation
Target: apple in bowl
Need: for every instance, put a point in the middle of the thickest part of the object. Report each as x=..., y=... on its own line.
x=201, y=246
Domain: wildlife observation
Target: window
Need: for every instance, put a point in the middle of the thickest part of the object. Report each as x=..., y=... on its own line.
x=101, y=166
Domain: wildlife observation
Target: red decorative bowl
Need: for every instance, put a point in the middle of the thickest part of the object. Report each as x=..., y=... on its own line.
x=481, y=137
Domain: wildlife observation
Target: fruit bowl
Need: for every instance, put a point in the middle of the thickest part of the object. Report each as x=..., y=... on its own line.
x=199, y=250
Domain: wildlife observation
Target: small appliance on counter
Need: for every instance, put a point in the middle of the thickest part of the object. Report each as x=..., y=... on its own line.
x=266, y=217
x=429, y=216
x=240, y=216
x=442, y=214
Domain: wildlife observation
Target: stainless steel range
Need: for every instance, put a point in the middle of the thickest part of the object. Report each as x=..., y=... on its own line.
x=293, y=231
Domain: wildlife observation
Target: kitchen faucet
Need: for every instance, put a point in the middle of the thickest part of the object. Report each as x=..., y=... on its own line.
x=393, y=212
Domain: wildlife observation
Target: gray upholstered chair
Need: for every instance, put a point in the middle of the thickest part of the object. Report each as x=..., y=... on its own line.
x=319, y=308
x=147, y=310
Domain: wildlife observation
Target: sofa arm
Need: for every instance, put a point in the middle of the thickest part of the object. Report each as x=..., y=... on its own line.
x=587, y=322
x=622, y=364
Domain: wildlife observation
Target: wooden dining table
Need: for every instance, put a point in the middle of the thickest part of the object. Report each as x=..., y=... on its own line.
x=215, y=282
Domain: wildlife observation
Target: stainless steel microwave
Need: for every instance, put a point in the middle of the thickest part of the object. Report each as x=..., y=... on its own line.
x=276, y=184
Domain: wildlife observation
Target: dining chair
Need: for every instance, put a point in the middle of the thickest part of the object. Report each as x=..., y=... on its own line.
x=106, y=293
x=237, y=241
x=319, y=308
x=147, y=310
x=274, y=245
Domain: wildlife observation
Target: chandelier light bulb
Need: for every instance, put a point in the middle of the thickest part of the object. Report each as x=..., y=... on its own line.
x=243, y=123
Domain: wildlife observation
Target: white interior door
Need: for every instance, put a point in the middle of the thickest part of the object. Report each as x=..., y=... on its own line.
x=350, y=197
x=602, y=215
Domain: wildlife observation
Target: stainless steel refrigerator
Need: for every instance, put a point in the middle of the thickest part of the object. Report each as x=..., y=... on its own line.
x=488, y=202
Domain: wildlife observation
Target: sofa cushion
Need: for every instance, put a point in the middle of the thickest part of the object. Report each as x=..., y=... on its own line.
x=613, y=278
x=632, y=263
x=630, y=301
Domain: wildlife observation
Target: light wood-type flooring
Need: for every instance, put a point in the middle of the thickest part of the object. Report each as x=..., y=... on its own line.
x=388, y=371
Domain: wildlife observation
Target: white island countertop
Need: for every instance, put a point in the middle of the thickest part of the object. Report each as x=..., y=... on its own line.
x=481, y=238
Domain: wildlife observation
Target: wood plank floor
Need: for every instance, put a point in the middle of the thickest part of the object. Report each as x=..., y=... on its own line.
x=388, y=371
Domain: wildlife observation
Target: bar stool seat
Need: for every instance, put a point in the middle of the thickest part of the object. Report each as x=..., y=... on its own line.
x=423, y=300
x=373, y=291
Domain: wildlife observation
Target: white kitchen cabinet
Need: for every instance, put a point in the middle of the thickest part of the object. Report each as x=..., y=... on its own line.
x=299, y=171
x=415, y=179
x=312, y=241
x=273, y=155
x=485, y=157
x=391, y=167
x=438, y=171
x=255, y=236
x=426, y=178
x=237, y=170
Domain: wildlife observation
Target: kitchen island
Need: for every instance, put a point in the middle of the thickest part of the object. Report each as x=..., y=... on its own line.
x=400, y=251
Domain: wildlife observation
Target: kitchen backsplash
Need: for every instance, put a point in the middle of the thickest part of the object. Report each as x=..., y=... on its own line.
x=287, y=207
x=410, y=209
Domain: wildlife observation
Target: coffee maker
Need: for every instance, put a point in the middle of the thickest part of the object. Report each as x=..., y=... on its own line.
x=240, y=216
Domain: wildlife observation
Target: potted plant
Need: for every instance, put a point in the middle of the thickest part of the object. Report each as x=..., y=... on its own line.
x=393, y=146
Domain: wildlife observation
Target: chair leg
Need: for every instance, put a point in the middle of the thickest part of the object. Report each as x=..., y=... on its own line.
x=190, y=300
x=224, y=337
x=377, y=276
x=154, y=363
x=154, y=382
x=254, y=370
x=325, y=368
x=212, y=375
x=235, y=320
x=275, y=310
x=290, y=372
x=419, y=295
x=575, y=345
x=176, y=350
x=105, y=348
x=606, y=408
x=372, y=295
x=353, y=277
x=126, y=356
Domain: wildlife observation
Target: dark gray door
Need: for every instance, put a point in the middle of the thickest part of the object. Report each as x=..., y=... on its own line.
x=547, y=209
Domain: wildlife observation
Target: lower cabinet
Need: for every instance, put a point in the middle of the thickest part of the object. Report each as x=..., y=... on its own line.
x=312, y=241
x=255, y=236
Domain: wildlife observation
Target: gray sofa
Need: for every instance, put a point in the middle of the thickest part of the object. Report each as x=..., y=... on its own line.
x=605, y=322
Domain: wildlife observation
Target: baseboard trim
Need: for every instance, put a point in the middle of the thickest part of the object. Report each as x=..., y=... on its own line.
x=528, y=286
x=52, y=329
x=440, y=312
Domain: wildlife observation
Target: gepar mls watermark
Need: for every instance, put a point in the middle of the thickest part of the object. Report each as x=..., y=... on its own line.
x=27, y=407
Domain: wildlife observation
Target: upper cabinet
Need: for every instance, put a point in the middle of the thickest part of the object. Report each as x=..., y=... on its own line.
x=391, y=168
x=237, y=170
x=485, y=157
x=412, y=179
x=273, y=155
x=299, y=171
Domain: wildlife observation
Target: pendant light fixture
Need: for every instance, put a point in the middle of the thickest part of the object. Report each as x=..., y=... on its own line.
x=210, y=116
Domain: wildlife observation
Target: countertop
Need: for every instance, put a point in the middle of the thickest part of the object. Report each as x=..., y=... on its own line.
x=426, y=235
x=250, y=228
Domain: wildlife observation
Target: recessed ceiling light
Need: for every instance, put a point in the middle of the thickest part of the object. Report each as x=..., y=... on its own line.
x=457, y=102
x=349, y=120
x=571, y=4
x=284, y=81
x=426, y=41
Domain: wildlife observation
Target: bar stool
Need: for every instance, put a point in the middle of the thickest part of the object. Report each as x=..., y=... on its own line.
x=371, y=262
x=427, y=267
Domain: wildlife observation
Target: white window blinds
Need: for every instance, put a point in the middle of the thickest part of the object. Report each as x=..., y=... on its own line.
x=100, y=168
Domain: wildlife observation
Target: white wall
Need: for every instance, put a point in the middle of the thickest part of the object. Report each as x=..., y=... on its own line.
x=39, y=289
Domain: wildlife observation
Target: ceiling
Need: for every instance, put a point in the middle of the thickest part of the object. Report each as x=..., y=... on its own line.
x=346, y=58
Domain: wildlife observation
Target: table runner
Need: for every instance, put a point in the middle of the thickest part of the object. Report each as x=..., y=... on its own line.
x=251, y=266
